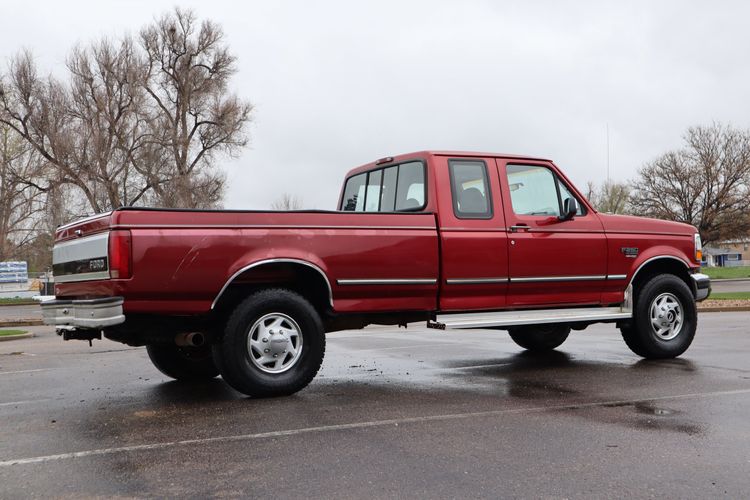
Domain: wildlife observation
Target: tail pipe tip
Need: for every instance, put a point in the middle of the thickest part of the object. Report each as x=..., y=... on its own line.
x=193, y=339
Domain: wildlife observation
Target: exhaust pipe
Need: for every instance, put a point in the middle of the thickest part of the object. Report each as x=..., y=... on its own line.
x=194, y=339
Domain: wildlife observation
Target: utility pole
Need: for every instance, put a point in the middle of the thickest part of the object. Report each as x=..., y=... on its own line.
x=607, y=152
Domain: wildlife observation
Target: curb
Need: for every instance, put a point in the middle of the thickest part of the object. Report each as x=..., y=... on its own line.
x=723, y=309
x=16, y=337
x=20, y=322
x=729, y=279
x=19, y=303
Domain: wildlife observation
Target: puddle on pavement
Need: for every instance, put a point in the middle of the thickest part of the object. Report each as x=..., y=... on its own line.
x=646, y=416
x=531, y=376
x=649, y=409
x=661, y=364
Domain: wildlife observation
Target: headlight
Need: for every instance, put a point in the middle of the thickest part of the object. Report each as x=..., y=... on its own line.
x=698, y=248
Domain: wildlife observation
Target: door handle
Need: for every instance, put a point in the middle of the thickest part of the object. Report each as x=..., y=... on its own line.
x=519, y=227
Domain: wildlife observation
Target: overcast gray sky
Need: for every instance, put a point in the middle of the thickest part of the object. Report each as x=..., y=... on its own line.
x=338, y=84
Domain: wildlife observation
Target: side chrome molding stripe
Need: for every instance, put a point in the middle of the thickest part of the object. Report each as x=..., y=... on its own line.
x=475, y=281
x=395, y=281
x=538, y=279
x=473, y=230
x=275, y=261
x=482, y=281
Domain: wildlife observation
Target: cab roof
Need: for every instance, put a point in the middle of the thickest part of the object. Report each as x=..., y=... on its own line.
x=483, y=154
x=421, y=154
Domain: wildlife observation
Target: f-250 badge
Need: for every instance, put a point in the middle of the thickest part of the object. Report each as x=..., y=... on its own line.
x=629, y=251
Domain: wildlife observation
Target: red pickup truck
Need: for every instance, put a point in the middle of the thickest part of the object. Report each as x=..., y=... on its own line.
x=456, y=239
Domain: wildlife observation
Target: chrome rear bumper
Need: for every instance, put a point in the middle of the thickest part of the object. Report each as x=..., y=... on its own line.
x=85, y=313
x=702, y=286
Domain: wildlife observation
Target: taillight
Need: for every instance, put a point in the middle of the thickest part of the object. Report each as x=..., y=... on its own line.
x=120, y=254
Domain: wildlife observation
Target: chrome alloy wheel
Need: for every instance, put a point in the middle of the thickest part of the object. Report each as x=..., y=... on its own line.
x=666, y=316
x=275, y=343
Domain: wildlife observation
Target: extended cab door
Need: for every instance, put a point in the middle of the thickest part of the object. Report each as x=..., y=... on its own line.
x=550, y=261
x=473, y=241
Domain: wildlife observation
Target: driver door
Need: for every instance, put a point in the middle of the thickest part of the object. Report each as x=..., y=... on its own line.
x=550, y=261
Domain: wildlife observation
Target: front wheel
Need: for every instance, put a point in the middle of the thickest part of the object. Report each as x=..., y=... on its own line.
x=665, y=319
x=540, y=338
x=273, y=344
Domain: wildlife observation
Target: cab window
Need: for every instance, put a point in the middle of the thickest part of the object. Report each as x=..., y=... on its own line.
x=410, y=187
x=354, y=194
x=470, y=189
x=536, y=190
x=374, y=184
x=397, y=188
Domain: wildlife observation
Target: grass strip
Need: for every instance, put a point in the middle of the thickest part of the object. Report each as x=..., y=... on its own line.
x=730, y=296
x=8, y=333
x=723, y=273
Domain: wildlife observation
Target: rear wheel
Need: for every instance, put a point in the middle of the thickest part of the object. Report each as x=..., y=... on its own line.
x=664, y=319
x=540, y=338
x=183, y=363
x=273, y=344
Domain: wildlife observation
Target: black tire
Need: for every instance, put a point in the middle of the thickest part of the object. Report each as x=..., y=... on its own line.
x=241, y=367
x=183, y=363
x=642, y=337
x=539, y=338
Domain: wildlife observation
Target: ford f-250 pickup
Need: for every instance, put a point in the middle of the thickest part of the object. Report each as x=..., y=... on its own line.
x=459, y=240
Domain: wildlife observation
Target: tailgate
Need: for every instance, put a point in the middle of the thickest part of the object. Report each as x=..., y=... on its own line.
x=81, y=250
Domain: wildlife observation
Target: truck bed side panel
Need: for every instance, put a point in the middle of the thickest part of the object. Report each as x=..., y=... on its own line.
x=181, y=260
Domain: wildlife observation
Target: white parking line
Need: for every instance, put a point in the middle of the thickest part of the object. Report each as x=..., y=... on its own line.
x=396, y=348
x=25, y=371
x=383, y=375
x=15, y=403
x=353, y=425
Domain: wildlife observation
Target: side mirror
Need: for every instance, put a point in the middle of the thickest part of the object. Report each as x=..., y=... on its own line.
x=570, y=208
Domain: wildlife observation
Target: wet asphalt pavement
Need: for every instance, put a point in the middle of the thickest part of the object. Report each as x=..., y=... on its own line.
x=26, y=311
x=394, y=413
x=731, y=285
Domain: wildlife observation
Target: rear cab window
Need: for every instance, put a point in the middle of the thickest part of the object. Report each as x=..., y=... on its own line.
x=395, y=188
x=470, y=189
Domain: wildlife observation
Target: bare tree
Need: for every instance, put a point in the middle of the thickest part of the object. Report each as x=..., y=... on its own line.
x=189, y=68
x=706, y=183
x=287, y=202
x=609, y=197
x=135, y=123
x=21, y=204
x=114, y=138
x=90, y=130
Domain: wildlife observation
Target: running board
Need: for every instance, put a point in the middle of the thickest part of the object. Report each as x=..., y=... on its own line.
x=529, y=317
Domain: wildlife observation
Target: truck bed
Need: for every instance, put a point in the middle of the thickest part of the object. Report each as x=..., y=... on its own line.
x=183, y=258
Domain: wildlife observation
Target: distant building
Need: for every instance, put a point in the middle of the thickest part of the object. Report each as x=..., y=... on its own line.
x=740, y=246
x=728, y=254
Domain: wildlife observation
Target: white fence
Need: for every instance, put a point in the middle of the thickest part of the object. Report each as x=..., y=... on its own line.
x=28, y=288
x=736, y=263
